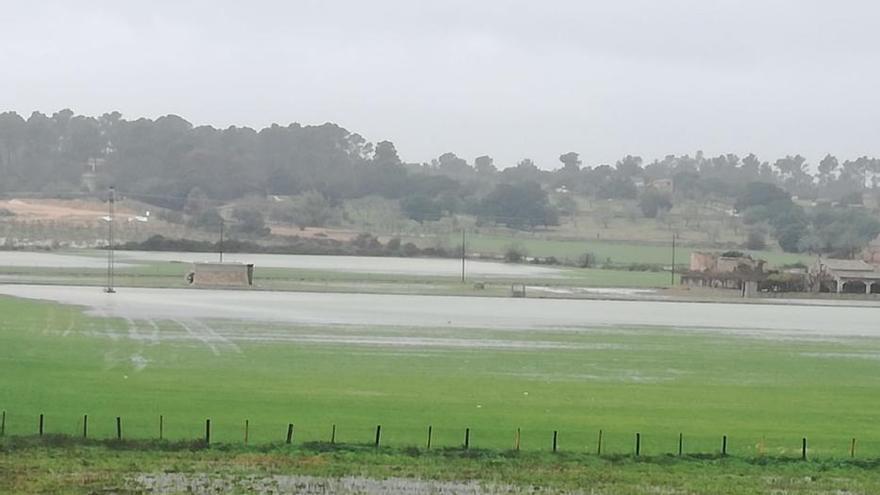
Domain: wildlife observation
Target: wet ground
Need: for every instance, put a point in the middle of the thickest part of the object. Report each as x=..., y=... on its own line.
x=204, y=484
x=54, y=260
x=350, y=264
x=303, y=308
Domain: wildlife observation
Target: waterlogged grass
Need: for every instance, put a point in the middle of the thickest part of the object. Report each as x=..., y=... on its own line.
x=63, y=465
x=764, y=394
x=171, y=274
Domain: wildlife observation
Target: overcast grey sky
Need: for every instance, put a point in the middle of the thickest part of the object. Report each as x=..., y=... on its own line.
x=512, y=79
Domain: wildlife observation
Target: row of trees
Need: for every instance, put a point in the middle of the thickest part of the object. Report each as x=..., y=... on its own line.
x=169, y=156
x=823, y=229
x=171, y=163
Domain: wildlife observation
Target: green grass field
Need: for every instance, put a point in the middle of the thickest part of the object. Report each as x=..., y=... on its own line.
x=618, y=252
x=765, y=394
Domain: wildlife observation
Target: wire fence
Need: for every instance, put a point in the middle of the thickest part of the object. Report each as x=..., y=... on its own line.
x=600, y=442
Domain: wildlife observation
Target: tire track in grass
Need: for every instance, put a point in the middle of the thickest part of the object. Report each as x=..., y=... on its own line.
x=213, y=336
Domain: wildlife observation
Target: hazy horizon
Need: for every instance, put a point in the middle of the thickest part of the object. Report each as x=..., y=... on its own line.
x=508, y=79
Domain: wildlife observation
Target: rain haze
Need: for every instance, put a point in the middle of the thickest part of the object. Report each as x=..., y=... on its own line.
x=513, y=79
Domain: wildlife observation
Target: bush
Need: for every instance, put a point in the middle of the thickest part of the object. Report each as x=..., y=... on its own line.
x=514, y=253
x=5, y=212
x=653, y=202
x=410, y=250
x=393, y=244
x=586, y=260
x=250, y=222
x=755, y=241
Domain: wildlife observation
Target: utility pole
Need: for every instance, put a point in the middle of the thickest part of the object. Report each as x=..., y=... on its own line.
x=463, y=255
x=222, y=223
x=672, y=272
x=110, y=255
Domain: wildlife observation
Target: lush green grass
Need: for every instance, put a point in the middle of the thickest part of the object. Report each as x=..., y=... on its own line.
x=765, y=394
x=58, y=465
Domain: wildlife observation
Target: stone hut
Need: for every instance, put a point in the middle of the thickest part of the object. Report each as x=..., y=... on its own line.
x=221, y=275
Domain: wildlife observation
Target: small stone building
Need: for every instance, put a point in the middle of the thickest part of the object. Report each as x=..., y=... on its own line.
x=221, y=275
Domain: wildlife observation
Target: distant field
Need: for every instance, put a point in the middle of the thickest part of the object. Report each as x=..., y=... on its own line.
x=333, y=273
x=763, y=389
x=616, y=251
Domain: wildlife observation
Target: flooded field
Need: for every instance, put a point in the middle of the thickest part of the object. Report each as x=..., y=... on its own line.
x=54, y=260
x=492, y=364
x=350, y=264
x=780, y=320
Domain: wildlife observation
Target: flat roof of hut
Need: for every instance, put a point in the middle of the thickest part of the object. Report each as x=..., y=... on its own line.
x=221, y=275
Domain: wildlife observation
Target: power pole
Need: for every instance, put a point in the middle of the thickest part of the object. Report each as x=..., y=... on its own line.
x=110, y=255
x=463, y=255
x=222, y=223
x=672, y=272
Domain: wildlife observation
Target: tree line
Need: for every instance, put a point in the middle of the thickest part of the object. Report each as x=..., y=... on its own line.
x=168, y=161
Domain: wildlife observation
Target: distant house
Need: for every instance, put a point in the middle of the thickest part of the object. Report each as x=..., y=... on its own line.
x=731, y=270
x=221, y=275
x=844, y=276
x=729, y=262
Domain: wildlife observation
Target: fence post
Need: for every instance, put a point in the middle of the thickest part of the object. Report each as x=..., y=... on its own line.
x=680, y=443
x=289, y=433
x=3, y=424
x=638, y=444
x=41, y=424
x=516, y=439
x=118, y=428
x=430, y=434
x=161, y=426
x=599, y=445
x=724, y=445
x=378, y=435
x=852, y=448
x=804, y=449
x=333, y=435
x=467, y=438
x=208, y=431
x=85, y=425
x=247, y=428
x=554, y=440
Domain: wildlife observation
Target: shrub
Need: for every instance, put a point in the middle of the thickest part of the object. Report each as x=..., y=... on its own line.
x=653, y=202
x=250, y=222
x=586, y=260
x=514, y=253
x=755, y=241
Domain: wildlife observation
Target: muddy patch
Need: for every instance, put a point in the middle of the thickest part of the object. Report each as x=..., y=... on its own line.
x=204, y=484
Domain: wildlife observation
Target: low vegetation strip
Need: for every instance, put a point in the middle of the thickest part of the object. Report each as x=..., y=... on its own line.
x=61, y=464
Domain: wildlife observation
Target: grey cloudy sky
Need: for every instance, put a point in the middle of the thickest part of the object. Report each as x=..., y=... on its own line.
x=512, y=79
